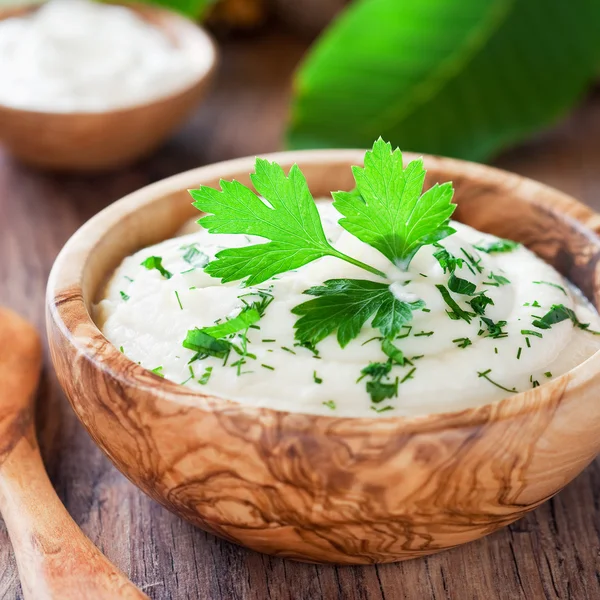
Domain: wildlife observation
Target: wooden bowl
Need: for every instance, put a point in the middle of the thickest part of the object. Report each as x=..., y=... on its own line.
x=321, y=488
x=91, y=141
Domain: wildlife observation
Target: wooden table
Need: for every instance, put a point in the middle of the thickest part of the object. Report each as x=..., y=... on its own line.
x=551, y=553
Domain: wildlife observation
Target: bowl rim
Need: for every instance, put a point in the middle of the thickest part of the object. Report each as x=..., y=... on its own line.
x=114, y=364
x=139, y=8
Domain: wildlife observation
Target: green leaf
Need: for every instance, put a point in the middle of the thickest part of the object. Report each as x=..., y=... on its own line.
x=459, y=285
x=461, y=78
x=205, y=344
x=288, y=217
x=246, y=318
x=155, y=263
x=390, y=213
x=499, y=245
x=345, y=305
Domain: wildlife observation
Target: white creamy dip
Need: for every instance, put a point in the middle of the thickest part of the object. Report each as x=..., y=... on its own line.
x=148, y=316
x=82, y=56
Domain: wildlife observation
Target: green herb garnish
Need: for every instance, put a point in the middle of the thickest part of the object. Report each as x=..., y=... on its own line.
x=485, y=375
x=178, y=300
x=316, y=378
x=455, y=312
x=158, y=371
x=463, y=342
x=494, y=329
x=345, y=305
x=389, y=212
x=205, y=344
x=500, y=245
x=329, y=404
x=155, y=263
x=479, y=303
x=205, y=376
x=194, y=256
x=448, y=261
x=288, y=217
x=461, y=286
x=554, y=285
x=124, y=296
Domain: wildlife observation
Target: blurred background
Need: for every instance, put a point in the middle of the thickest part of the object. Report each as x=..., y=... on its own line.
x=513, y=83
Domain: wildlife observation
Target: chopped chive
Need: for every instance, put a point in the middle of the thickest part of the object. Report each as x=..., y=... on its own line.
x=528, y=342
x=205, y=376
x=178, y=300
x=409, y=375
x=530, y=332
x=316, y=378
x=124, y=296
x=417, y=357
x=554, y=285
x=422, y=275
x=268, y=367
x=401, y=335
x=495, y=350
x=426, y=309
x=287, y=349
x=548, y=374
x=329, y=404
x=381, y=409
x=424, y=334
x=462, y=342
x=128, y=278
x=190, y=377
x=268, y=341
x=485, y=375
x=519, y=353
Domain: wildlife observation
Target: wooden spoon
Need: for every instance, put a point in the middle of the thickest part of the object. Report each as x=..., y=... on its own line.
x=54, y=557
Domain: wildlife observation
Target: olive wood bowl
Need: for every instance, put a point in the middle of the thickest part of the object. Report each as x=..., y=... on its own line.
x=324, y=488
x=92, y=141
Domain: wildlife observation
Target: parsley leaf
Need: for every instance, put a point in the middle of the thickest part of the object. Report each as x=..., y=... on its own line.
x=447, y=261
x=346, y=305
x=461, y=286
x=388, y=210
x=499, y=245
x=247, y=317
x=155, y=262
x=455, y=312
x=479, y=302
x=288, y=217
x=205, y=344
x=559, y=313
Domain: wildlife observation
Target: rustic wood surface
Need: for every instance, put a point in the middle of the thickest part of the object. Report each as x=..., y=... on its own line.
x=551, y=553
x=55, y=559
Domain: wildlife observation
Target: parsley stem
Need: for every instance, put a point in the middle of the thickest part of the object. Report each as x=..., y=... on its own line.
x=358, y=263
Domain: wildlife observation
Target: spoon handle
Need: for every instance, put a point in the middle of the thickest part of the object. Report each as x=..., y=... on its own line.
x=55, y=559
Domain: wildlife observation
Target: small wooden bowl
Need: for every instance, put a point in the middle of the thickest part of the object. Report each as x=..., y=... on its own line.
x=321, y=488
x=91, y=141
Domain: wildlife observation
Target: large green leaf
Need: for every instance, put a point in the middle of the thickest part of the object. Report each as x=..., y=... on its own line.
x=456, y=77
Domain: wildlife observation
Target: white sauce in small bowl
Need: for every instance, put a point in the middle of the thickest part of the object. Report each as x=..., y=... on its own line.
x=148, y=317
x=82, y=56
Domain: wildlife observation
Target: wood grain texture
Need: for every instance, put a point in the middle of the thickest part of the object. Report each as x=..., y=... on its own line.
x=55, y=560
x=552, y=552
x=96, y=141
